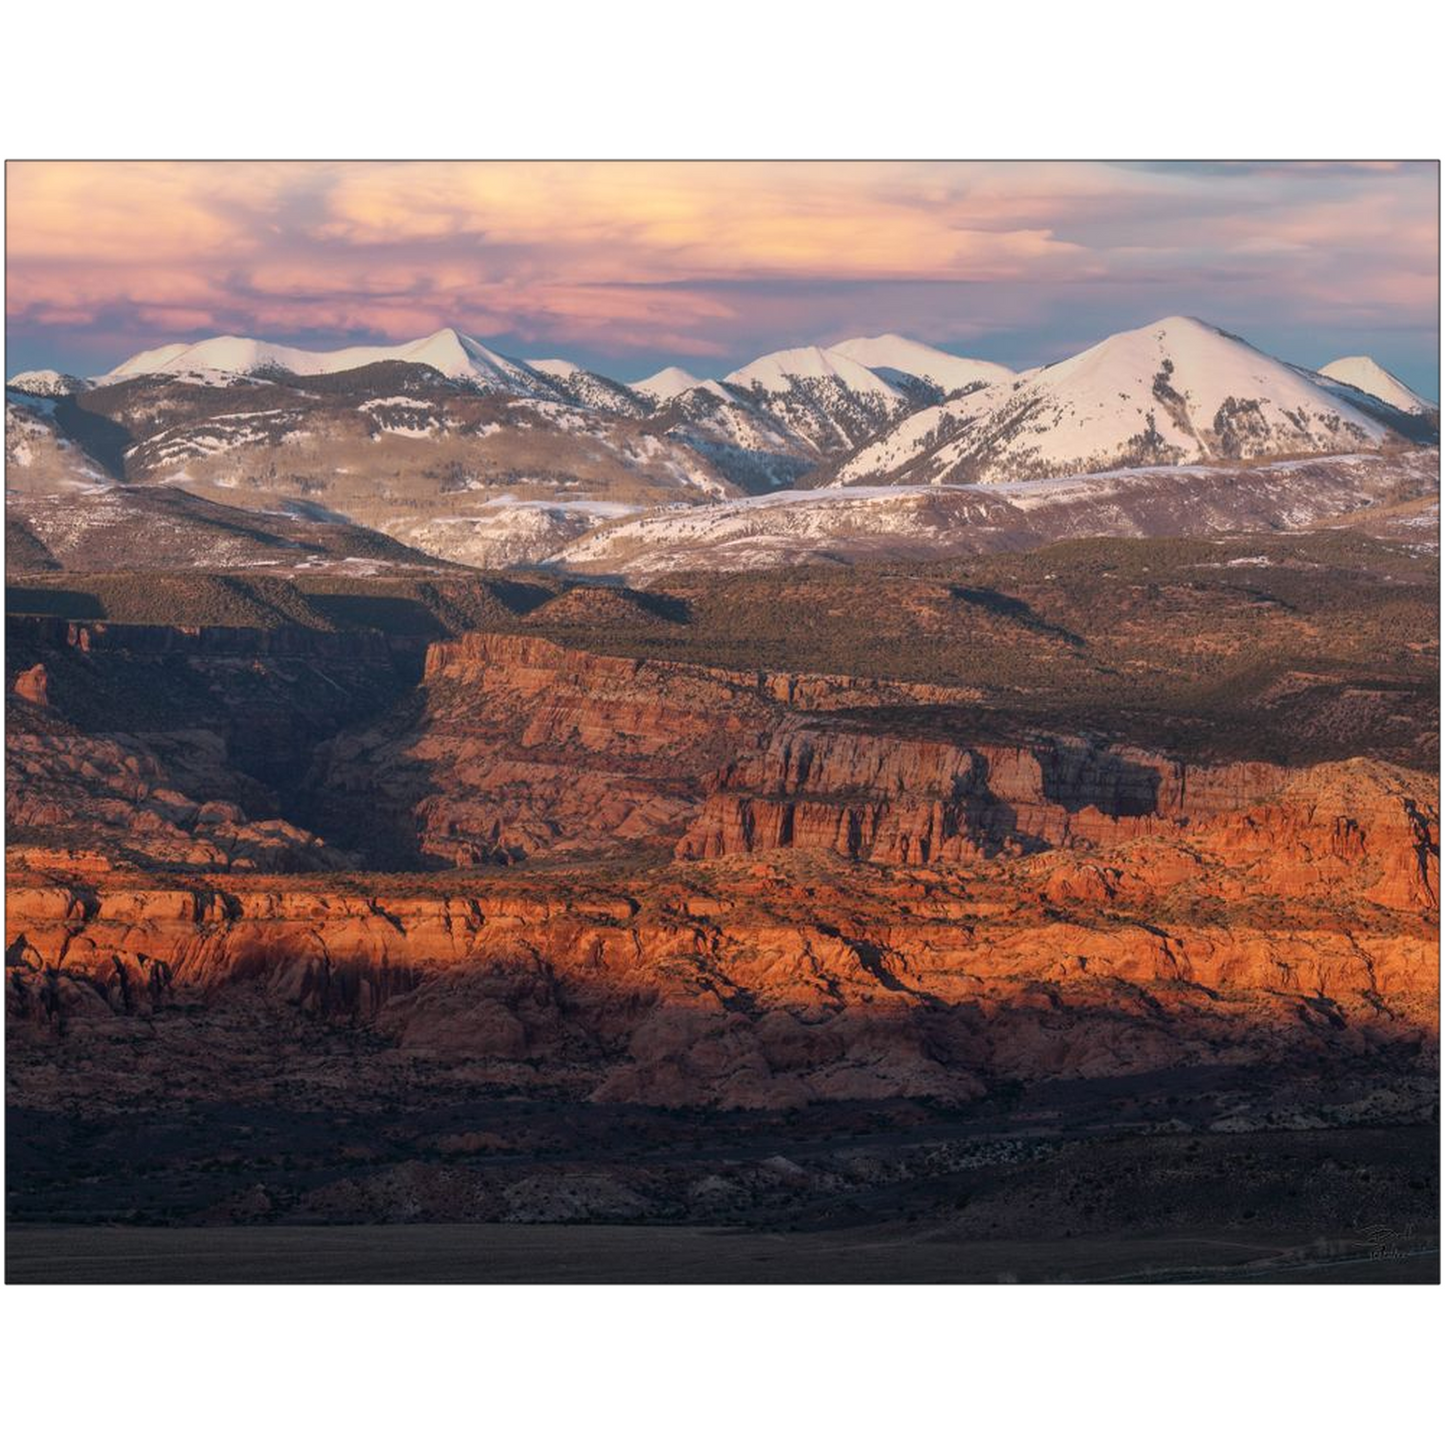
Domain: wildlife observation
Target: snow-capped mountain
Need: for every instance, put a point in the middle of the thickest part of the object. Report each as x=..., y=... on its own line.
x=899, y=360
x=1178, y=391
x=456, y=449
x=770, y=421
x=823, y=396
x=1366, y=374
x=456, y=356
x=46, y=383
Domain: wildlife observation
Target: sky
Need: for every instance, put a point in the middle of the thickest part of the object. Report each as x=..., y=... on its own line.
x=629, y=266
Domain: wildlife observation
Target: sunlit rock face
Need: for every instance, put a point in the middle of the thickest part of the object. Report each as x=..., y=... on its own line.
x=757, y=889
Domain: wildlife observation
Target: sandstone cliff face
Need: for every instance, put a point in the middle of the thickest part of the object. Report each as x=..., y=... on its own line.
x=519, y=747
x=1260, y=936
x=124, y=795
x=898, y=799
x=514, y=747
x=756, y=890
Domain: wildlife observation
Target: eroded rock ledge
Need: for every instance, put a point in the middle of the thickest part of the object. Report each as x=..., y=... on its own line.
x=1285, y=931
x=521, y=747
x=744, y=889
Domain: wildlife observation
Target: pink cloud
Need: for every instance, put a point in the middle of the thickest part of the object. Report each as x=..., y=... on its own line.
x=701, y=259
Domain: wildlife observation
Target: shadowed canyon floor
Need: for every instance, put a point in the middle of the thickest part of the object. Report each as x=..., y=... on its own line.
x=1065, y=914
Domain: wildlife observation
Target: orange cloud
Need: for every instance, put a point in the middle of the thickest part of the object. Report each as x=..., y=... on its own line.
x=655, y=221
x=699, y=258
x=135, y=210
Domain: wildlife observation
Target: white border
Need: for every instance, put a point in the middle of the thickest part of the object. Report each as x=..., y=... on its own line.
x=655, y=78
x=743, y=79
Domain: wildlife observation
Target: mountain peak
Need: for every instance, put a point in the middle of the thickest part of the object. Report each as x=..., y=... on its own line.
x=1178, y=340
x=45, y=382
x=1186, y=323
x=780, y=371
x=448, y=350
x=893, y=355
x=671, y=381
x=1177, y=391
x=1366, y=374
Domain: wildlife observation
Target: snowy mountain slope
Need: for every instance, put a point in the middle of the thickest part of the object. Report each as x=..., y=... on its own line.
x=780, y=371
x=907, y=447
x=39, y=458
x=828, y=399
x=734, y=431
x=169, y=527
x=463, y=358
x=589, y=388
x=898, y=358
x=1367, y=375
x=1421, y=427
x=902, y=523
x=1179, y=391
x=152, y=362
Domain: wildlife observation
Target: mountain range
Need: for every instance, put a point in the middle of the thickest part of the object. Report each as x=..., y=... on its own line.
x=462, y=453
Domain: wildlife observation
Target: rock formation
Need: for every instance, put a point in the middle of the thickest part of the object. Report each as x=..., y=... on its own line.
x=737, y=889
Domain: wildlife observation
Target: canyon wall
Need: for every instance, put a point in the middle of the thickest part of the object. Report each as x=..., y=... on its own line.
x=741, y=889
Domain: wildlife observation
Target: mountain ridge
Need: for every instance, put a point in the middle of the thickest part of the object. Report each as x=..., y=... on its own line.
x=902, y=356
x=1176, y=392
x=451, y=447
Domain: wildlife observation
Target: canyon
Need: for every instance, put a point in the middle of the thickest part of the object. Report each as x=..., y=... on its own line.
x=767, y=721
x=713, y=886
x=515, y=899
